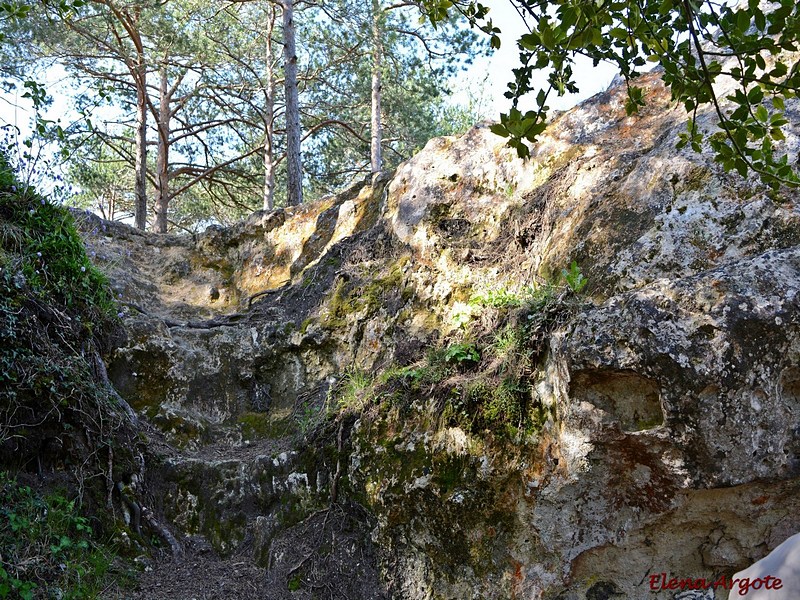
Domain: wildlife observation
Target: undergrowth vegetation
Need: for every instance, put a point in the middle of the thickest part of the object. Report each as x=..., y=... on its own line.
x=55, y=308
x=59, y=418
x=47, y=549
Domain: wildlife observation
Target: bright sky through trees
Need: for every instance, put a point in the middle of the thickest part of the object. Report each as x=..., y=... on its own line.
x=498, y=67
x=492, y=73
x=481, y=88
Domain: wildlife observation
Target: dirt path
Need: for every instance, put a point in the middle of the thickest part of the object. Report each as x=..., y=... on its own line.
x=199, y=575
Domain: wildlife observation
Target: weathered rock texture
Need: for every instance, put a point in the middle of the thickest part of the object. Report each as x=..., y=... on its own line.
x=669, y=399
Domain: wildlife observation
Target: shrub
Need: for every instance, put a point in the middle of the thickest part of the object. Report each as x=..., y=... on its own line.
x=42, y=246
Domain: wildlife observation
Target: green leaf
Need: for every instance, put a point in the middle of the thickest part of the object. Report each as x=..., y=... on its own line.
x=755, y=95
x=740, y=113
x=760, y=19
x=574, y=278
x=569, y=15
x=526, y=125
x=26, y=593
x=743, y=21
x=779, y=70
x=548, y=40
x=535, y=130
x=499, y=129
x=618, y=33
x=529, y=41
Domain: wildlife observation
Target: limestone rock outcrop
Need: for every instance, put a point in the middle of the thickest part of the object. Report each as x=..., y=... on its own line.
x=668, y=394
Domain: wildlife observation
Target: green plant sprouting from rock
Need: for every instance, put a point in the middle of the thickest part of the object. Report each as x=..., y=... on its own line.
x=573, y=277
x=352, y=391
x=482, y=377
x=460, y=354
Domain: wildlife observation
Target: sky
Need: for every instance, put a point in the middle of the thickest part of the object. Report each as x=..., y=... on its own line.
x=496, y=68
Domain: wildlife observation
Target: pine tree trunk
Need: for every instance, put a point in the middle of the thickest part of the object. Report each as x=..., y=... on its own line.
x=269, y=115
x=140, y=166
x=376, y=159
x=162, y=162
x=294, y=168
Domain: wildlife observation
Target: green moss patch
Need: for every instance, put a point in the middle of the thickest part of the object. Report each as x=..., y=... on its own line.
x=258, y=426
x=355, y=297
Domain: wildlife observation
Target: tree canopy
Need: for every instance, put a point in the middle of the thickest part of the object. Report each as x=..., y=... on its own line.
x=698, y=44
x=203, y=109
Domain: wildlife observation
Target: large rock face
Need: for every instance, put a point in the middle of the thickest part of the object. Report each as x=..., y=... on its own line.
x=668, y=399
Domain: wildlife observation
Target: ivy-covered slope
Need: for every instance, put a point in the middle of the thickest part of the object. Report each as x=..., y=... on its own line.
x=65, y=436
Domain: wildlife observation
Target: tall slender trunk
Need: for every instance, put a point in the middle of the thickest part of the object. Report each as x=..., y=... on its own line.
x=140, y=161
x=376, y=159
x=269, y=115
x=138, y=71
x=294, y=168
x=162, y=162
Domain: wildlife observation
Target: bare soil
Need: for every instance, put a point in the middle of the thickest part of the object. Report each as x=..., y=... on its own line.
x=199, y=575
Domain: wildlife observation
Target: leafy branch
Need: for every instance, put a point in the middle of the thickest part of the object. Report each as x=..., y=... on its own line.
x=695, y=42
